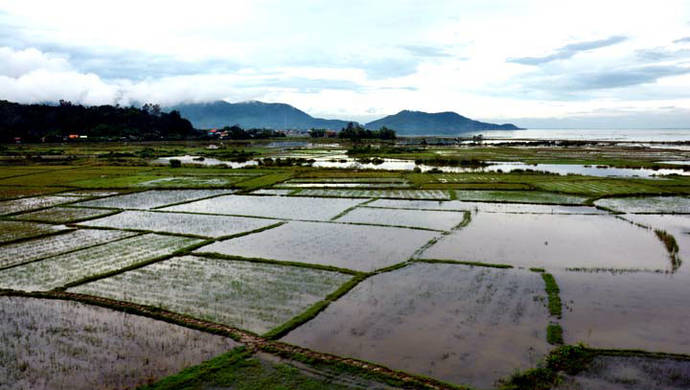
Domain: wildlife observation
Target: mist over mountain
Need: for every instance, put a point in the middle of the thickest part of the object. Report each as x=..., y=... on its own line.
x=253, y=114
x=442, y=123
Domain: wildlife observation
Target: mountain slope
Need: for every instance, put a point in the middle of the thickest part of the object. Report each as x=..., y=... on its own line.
x=441, y=123
x=253, y=114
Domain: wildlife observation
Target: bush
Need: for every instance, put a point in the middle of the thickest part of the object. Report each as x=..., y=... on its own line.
x=174, y=163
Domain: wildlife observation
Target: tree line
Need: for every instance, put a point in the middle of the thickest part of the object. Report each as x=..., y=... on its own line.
x=44, y=122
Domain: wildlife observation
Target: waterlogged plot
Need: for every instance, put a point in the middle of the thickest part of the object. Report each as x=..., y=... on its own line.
x=152, y=199
x=16, y=230
x=396, y=194
x=71, y=267
x=427, y=219
x=520, y=197
x=63, y=214
x=270, y=206
x=37, y=202
x=596, y=187
x=343, y=185
x=469, y=325
x=89, y=193
x=252, y=296
x=633, y=310
x=631, y=372
x=52, y=344
x=349, y=180
x=487, y=207
x=181, y=223
x=271, y=191
x=193, y=181
x=26, y=251
x=653, y=204
x=553, y=241
x=677, y=225
x=363, y=248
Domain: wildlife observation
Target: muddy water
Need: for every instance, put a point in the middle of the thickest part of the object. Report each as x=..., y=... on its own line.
x=676, y=224
x=362, y=248
x=553, y=242
x=440, y=220
x=270, y=206
x=453, y=322
x=638, y=310
x=51, y=344
x=628, y=373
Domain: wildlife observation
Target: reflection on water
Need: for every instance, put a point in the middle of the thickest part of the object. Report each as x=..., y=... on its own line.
x=389, y=164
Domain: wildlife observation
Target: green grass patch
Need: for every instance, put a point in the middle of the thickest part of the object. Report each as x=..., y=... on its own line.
x=470, y=263
x=552, y=291
x=554, y=334
x=569, y=359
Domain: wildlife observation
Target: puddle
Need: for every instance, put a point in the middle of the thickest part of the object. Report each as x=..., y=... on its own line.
x=252, y=296
x=638, y=310
x=270, y=206
x=151, y=199
x=468, y=325
x=52, y=344
x=194, y=224
x=553, y=242
x=362, y=248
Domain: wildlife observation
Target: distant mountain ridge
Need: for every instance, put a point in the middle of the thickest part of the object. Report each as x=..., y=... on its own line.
x=441, y=123
x=253, y=114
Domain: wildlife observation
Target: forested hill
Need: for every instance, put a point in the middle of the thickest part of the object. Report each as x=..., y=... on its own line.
x=32, y=122
x=440, y=123
x=254, y=114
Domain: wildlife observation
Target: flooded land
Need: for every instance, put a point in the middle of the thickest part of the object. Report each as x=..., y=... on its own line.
x=325, y=265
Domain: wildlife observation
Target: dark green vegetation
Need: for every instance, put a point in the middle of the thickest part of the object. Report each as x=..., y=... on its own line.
x=569, y=359
x=552, y=290
x=41, y=121
x=253, y=115
x=441, y=123
x=671, y=246
x=554, y=334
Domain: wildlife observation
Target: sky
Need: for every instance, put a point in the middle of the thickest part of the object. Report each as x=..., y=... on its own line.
x=590, y=64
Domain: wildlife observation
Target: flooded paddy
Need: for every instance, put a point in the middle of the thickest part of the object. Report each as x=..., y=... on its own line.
x=676, y=224
x=629, y=310
x=356, y=247
x=59, y=270
x=16, y=230
x=486, y=207
x=519, y=197
x=362, y=193
x=192, y=224
x=62, y=214
x=438, y=220
x=38, y=202
x=51, y=344
x=629, y=373
x=253, y=296
x=270, y=206
x=553, y=242
x=650, y=204
x=152, y=199
x=26, y=251
x=461, y=324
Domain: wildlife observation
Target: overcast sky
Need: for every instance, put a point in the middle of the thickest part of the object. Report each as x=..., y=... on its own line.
x=536, y=63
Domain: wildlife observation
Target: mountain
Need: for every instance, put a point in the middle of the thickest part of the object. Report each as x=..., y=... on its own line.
x=441, y=123
x=253, y=114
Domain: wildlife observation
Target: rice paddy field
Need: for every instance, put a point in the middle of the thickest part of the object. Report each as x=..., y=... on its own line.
x=121, y=274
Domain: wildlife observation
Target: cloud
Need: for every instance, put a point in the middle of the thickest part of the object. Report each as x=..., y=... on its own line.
x=568, y=51
x=624, y=77
x=425, y=51
x=682, y=40
x=15, y=63
x=662, y=54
